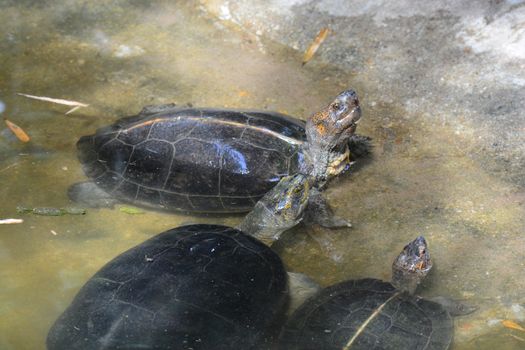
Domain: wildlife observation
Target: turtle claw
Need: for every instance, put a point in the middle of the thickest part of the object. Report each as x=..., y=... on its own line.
x=319, y=212
x=333, y=222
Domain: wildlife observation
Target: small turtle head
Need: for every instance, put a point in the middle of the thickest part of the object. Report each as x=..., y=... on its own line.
x=289, y=198
x=279, y=210
x=411, y=265
x=344, y=111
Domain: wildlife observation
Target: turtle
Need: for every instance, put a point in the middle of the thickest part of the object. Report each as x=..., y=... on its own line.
x=194, y=287
x=373, y=314
x=205, y=160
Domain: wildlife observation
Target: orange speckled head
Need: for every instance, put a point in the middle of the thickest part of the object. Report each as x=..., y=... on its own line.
x=336, y=120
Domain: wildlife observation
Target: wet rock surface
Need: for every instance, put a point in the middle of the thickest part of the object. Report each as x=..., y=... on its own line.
x=456, y=63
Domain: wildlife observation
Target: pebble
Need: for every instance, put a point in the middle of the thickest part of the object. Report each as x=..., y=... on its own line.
x=519, y=311
x=493, y=322
x=10, y=221
x=128, y=51
x=467, y=294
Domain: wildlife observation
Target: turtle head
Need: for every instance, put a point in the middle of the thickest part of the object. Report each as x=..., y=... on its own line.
x=288, y=200
x=328, y=132
x=344, y=112
x=279, y=210
x=411, y=266
x=336, y=121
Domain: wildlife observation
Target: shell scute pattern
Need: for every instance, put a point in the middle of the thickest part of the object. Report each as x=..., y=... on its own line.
x=199, y=158
x=331, y=319
x=187, y=287
x=190, y=159
x=146, y=164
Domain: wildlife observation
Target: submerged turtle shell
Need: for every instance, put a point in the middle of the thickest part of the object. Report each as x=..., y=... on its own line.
x=202, y=160
x=193, y=287
x=374, y=312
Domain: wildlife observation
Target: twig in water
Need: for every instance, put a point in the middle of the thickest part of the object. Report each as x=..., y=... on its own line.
x=73, y=109
x=59, y=101
x=323, y=33
x=10, y=221
x=8, y=167
x=516, y=337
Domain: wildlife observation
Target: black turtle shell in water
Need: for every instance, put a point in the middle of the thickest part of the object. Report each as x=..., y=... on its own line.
x=367, y=314
x=193, y=287
x=201, y=160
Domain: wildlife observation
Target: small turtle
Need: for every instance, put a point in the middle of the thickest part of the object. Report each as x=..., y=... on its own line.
x=193, y=287
x=372, y=314
x=215, y=161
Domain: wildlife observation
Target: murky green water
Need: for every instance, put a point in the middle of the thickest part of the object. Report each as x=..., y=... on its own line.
x=120, y=55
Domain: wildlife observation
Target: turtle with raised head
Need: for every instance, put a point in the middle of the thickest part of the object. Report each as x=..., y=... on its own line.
x=193, y=287
x=216, y=161
x=373, y=314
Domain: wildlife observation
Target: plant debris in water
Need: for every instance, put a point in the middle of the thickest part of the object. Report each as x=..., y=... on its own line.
x=323, y=33
x=49, y=211
x=75, y=104
x=18, y=131
x=10, y=221
x=131, y=210
x=512, y=325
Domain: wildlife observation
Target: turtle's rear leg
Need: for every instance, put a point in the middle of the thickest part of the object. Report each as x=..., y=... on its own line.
x=319, y=212
x=454, y=307
x=90, y=195
x=301, y=288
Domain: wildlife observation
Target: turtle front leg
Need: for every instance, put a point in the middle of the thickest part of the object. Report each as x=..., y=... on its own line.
x=319, y=212
x=360, y=146
x=454, y=307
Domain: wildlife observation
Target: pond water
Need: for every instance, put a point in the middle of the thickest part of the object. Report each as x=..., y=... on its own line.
x=118, y=56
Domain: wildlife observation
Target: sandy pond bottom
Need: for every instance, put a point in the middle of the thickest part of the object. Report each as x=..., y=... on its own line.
x=119, y=56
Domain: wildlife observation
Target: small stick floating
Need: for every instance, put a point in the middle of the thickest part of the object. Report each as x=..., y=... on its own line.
x=323, y=33
x=75, y=104
x=516, y=337
x=10, y=221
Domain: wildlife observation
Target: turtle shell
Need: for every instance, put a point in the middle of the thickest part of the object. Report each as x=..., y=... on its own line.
x=193, y=287
x=367, y=314
x=201, y=160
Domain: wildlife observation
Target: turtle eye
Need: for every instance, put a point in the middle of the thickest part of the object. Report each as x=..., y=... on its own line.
x=336, y=106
